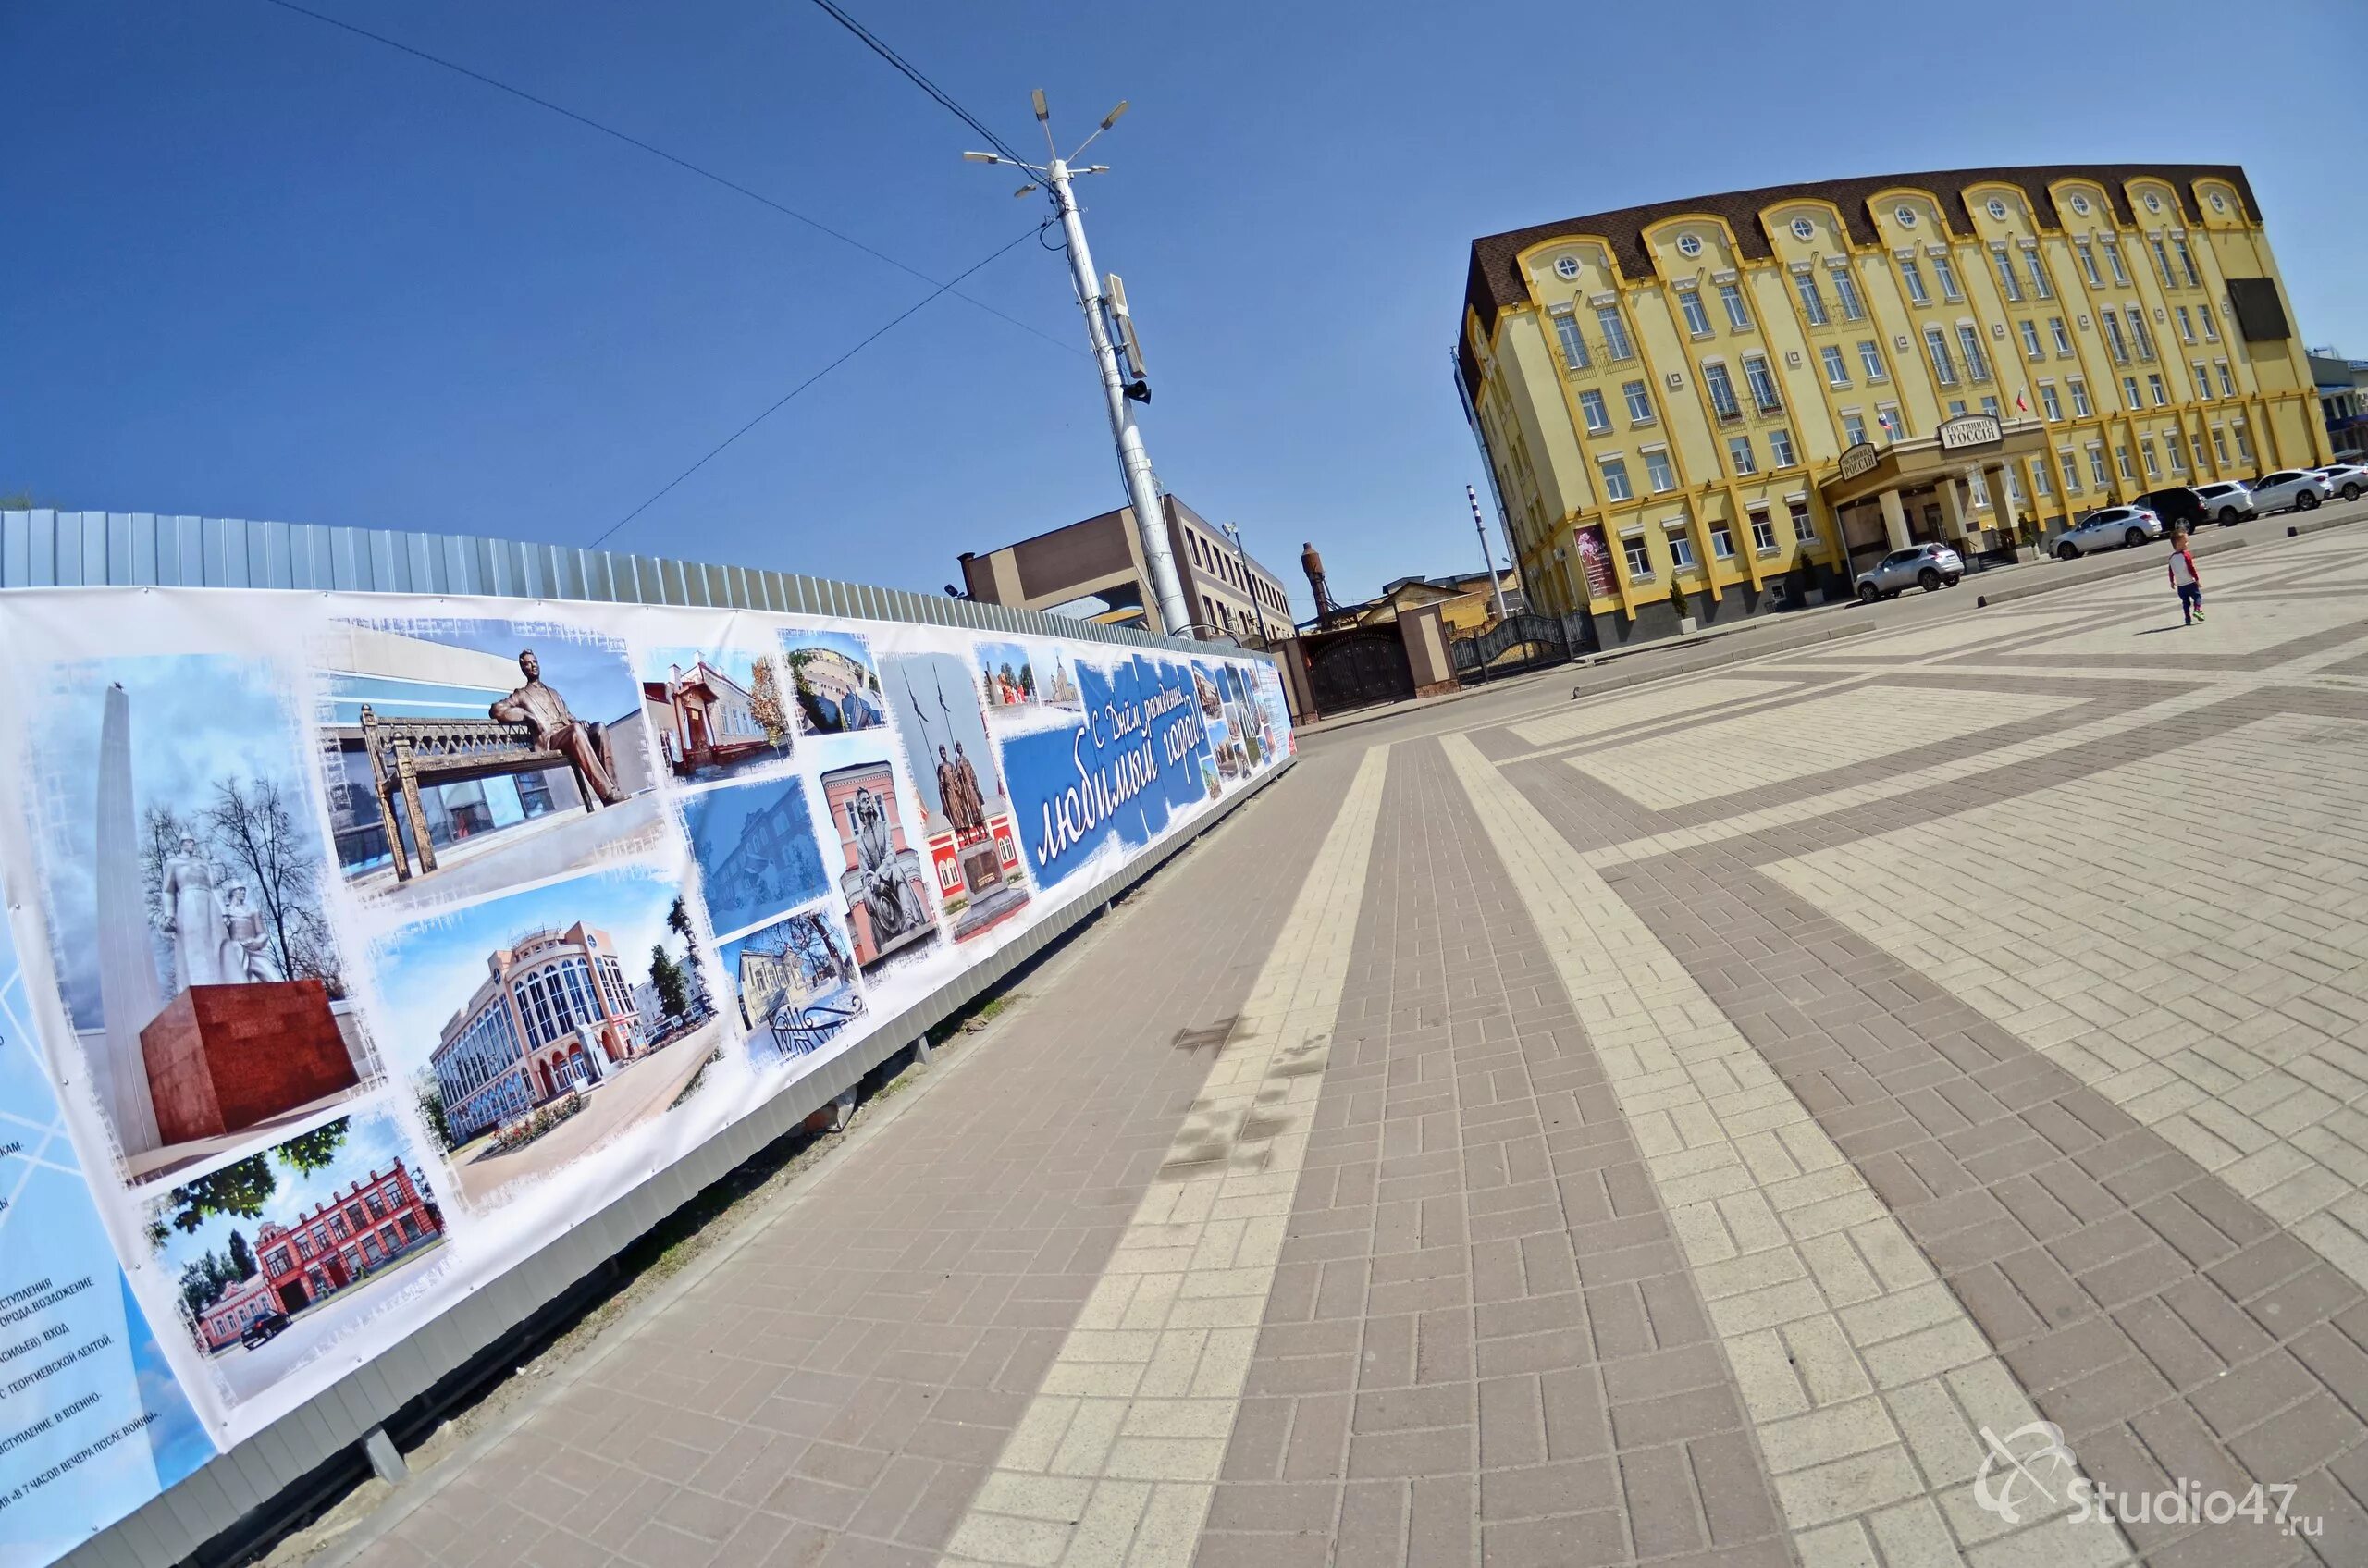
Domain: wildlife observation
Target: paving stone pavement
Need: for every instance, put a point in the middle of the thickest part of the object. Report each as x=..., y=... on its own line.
x=1846, y=1108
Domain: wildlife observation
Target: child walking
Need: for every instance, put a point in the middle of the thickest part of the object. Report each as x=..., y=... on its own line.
x=2183, y=578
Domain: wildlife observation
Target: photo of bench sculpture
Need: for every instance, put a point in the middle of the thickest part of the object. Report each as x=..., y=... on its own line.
x=406, y=753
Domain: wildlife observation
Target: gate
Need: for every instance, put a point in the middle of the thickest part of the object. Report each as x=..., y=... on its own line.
x=1358, y=668
x=1540, y=640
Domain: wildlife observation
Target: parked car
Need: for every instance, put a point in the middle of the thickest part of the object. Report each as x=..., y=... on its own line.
x=264, y=1330
x=2108, y=527
x=2178, y=507
x=2228, y=501
x=2348, y=480
x=1929, y=567
x=2296, y=489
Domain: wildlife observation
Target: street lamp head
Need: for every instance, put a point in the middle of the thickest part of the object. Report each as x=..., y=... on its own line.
x=1043, y=113
x=981, y=159
x=1023, y=190
x=1112, y=117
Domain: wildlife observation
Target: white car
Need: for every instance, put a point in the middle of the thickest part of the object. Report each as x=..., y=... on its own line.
x=2296, y=489
x=2226, y=502
x=2108, y=527
x=2348, y=480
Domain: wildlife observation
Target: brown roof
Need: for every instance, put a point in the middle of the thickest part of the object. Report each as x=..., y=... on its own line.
x=1496, y=278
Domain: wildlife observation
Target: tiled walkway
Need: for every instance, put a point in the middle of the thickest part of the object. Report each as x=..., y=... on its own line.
x=1838, y=1110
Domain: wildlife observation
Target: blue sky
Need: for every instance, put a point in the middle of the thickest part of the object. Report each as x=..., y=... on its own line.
x=275, y=271
x=590, y=673
x=733, y=664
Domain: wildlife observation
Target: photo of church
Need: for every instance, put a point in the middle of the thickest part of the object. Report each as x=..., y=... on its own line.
x=965, y=814
x=184, y=871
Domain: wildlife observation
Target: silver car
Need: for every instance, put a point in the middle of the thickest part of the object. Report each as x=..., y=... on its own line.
x=1929, y=567
x=2348, y=480
x=2108, y=527
x=2296, y=489
x=2226, y=501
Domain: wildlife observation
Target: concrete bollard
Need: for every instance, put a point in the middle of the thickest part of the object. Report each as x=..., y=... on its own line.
x=386, y=1460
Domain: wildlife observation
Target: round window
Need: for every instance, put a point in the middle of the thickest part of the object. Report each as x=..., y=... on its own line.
x=1997, y=207
x=2153, y=203
x=2219, y=203
x=1689, y=244
x=2080, y=206
x=1567, y=267
x=1905, y=216
x=1804, y=229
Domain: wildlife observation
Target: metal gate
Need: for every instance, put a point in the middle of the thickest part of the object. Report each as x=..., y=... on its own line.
x=1537, y=640
x=1358, y=668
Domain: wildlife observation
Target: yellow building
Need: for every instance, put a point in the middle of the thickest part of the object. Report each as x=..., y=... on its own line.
x=1702, y=409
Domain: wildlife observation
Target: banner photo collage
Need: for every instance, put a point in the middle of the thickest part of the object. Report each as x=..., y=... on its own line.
x=368, y=943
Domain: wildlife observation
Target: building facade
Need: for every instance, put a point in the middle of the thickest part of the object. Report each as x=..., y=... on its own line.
x=1702, y=409
x=553, y=1014
x=359, y=1230
x=2343, y=399
x=704, y=720
x=1102, y=559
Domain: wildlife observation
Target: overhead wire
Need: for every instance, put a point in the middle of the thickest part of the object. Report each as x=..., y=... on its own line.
x=676, y=159
x=777, y=403
x=914, y=74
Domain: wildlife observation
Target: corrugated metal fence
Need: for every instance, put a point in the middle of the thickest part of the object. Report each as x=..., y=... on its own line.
x=45, y=549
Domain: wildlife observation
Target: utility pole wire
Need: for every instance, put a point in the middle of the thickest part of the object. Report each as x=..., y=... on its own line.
x=872, y=41
x=882, y=331
x=657, y=152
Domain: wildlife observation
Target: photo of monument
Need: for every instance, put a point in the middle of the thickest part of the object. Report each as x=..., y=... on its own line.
x=184, y=870
x=715, y=712
x=756, y=850
x=517, y=1024
x=879, y=874
x=965, y=813
x=278, y=1254
x=795, y=981
x=833, y=682
x=461, y=756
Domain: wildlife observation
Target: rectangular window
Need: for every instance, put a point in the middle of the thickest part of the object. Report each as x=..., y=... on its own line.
x=2139, y=335
x=1737, y=316
x=1574, y=347
x=2040, y=287
x=2220, y=445
x=1944, y=369
x=2063, y=338
x=2113, y=259
x=1854, y=430
x=2228, y=386
x=1948, y=276
x=1640, y=560
x=1640, y=402
x=2186, y=264
x=1681, y=550
x=1846, y=288
x=2203, y=379
x=1615, y=479
x=2244, y=447
x=1657, y=471
x=1615, y=334
x=2071, y=475
x=1913, y=275
x=2031, y=348
x=2113, y=339
x=1956, y=407
x=2187, y=326
x=2206, y=318
x=2154, y=385
x=1837, y=368
x=2080, y=408
x=1804, y=525
x=2129, y=393
x=2008, y=284
x=1969, y=339
x=1763, y=384
x=1722, y=542
x=2040, y=483
x=2146, y=455
x=1888, y=420
x=1698, y=320
x=2162, y=261
x=1812, y=302
x=1763, y=532
x=2049, y=405
x=2097, y=468
x=1780, y=447
x=1598, y=418
x=2177, y=452
x=2089, y=263
x=1989, y=407
x=1721, y=390
x=2121, y=461
x=1739, y=454
x=2201, y=460
x=1870, y=358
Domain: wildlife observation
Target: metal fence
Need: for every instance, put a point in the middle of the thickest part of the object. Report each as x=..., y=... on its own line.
x=48, y=549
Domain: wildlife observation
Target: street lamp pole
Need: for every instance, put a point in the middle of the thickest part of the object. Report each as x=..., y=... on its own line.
x=1487, y=557
x=1117, y=389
